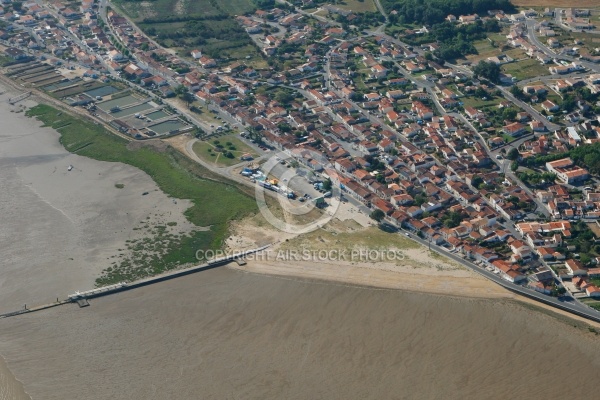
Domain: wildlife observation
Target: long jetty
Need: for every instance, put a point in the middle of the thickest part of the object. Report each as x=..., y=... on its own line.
x=15, y=100
x=82, y=297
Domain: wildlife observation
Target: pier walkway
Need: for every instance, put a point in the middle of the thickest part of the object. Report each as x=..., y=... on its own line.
x=82, y=297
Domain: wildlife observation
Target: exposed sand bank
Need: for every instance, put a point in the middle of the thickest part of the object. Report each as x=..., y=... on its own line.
x=61, y=228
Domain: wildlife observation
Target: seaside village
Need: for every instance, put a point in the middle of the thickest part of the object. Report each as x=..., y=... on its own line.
x=499, y=174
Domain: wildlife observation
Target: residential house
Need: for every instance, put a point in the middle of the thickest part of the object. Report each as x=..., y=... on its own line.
x=575, y=268
x=550, y=106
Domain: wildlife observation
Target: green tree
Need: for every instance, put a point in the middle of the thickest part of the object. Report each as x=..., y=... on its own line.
x=420, y=199
x=283, y=97
x=284, y=127
x=568, y=104
x=515, y=91
x=377, y=215
x=476, y=181
x=188, y=98
x=585, y=259
x=557, y=291
x=180, y=90
x=487, y=70
x=513, y=154
x=452, y=219
x=509, y=114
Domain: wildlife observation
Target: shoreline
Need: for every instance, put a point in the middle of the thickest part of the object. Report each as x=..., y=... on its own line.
x=10, y=387
x=464, y=284
x=61, y=228
x=361, y=276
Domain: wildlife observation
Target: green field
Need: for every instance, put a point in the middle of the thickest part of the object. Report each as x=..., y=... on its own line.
x=201, y=24
x=525, y=69
x=4, y=60
x=151, y=9
x=184, y=9
x=476, y=102
x=210, y=152
x=484, y=49
x=357, y=6
x=216, y=201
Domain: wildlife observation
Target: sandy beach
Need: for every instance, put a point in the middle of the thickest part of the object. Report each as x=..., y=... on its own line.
x=459, y=283
x=417, y=270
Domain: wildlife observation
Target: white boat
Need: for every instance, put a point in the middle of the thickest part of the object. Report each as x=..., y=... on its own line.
x=70, y=167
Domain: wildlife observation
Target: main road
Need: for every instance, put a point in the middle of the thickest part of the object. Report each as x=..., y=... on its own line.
x=570, y=306
x=543, y=48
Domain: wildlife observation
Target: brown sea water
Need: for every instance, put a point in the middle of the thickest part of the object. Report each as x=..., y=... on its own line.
x=10, y=387
x=225, y=334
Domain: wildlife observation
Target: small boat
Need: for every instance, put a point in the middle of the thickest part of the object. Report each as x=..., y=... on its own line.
x=69, y=168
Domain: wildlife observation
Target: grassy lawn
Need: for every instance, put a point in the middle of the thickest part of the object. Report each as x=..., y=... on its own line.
x=216, y=201
x=590, y=41
x=232, y=7
x=394, y=30
x=499, y=38
x=209, y=152
x=357, y=5
x=553, y=96
x=370, y=238
x=592, y=302
x=516, y=54
x=477, y=102
x=484, y=50
x=508, y=138
x=525, y=69
x=596, y=229
x=4, y=60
